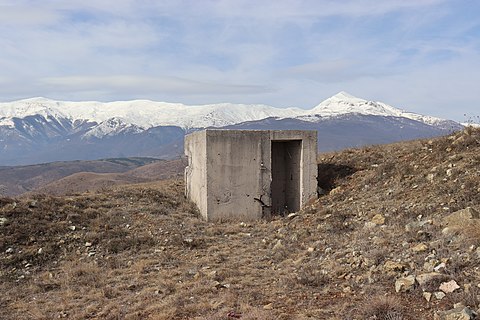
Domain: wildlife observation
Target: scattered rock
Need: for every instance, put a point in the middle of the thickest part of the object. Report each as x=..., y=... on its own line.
x=292, y=215
x=268, y=306
x=449, y=287
x=9, y=250
x=378, y=219
x=461, y=313
x=425, y=278
x=439, y=295
x=369, y=225
x=378, y=241
x=88, y=244
x=278, y=246
x=439, y=267
x=430, y=265
x=389, y=266
x=461, y=217
x=405, y=284
x=421, y=247
x=448, y=232
x=458, y=305
x=449, y=172
x=336, y=190
x=3, y=221
x=72, y=228
x=40, y=251
x=427, y=296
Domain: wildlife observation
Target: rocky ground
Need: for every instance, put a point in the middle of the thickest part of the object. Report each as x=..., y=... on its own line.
x=395, y=235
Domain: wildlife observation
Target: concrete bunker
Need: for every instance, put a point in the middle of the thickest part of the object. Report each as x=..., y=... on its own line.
x=249, y=174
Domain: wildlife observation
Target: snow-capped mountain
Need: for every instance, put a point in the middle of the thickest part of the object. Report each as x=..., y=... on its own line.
x=41, y=129
x=344, y=103
x=144, y=113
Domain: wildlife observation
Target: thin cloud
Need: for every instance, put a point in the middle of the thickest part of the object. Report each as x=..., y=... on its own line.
x=142, y=84
x=284, y=53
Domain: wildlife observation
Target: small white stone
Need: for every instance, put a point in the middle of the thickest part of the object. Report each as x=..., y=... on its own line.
x=439, y=295
x=427, y=296
x=441, y=266
x=449, y=287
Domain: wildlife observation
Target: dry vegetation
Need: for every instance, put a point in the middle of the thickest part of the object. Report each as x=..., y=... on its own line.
x=141, y=252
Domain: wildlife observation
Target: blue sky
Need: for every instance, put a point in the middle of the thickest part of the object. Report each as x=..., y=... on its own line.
x=418, y=55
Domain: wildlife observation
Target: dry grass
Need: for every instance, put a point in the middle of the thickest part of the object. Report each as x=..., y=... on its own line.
x=142, y=252
x=383, y=308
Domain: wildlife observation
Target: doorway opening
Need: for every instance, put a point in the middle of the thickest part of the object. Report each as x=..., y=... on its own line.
x=285, y=187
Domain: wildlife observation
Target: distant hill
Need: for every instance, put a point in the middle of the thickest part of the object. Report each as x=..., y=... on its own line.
x=16, y=180
x=91, y=182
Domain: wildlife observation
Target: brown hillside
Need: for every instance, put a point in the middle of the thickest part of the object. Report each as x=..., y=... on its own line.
x=91, y=182
x=20, y=179
x=86, y=182
x=167, y=169
x=141, y=252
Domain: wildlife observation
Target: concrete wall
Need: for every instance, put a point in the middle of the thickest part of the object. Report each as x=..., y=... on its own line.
x=234, y=174
x=196, y=170
x=230, y=172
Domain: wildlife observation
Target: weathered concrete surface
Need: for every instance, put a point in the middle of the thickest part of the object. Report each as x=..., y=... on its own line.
x=196, y=170
x=246, y=174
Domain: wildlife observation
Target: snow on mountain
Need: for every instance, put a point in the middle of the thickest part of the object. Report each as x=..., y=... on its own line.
x=112, y=127
x=7, y=122
x=344, y=103
x=144, y=114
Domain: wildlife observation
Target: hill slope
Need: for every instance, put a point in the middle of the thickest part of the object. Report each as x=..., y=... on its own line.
x=141, y=252
x=90, y=182
x=20, y=179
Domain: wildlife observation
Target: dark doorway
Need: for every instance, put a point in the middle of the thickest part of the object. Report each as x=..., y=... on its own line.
x=286, y=157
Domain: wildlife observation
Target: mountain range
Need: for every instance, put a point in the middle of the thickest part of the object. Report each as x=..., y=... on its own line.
x=42, y=130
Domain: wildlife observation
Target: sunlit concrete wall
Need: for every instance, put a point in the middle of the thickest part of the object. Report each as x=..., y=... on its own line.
x=229, y=175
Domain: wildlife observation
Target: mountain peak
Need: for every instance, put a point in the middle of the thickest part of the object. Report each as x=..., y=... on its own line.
x=343, y=95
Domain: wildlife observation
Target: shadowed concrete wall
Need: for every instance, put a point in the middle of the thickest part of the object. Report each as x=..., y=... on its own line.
x=230, y=175
x=196, y=170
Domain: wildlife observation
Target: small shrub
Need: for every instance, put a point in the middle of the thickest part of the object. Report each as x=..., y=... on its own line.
x=338, y=222
x=471, y=298
x=382, y=308
x=310, y=276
